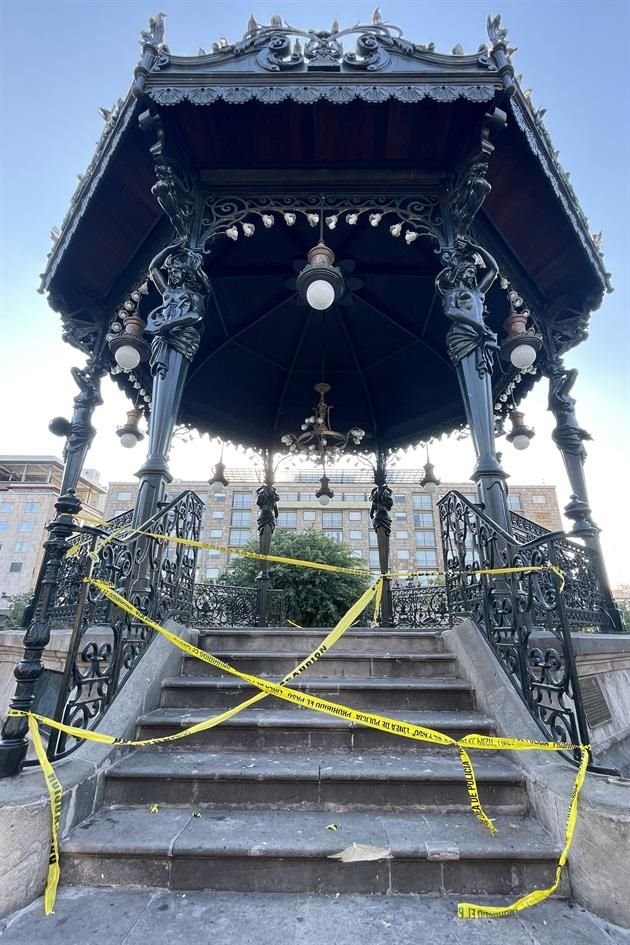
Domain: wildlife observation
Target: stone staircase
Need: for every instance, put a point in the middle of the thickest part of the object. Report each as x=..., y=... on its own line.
x=262, y=801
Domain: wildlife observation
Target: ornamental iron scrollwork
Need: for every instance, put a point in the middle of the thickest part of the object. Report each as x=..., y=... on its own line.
x=522, y=616
x=414, y=607
x=223, y=214
x=155, y=575
x=225, y=605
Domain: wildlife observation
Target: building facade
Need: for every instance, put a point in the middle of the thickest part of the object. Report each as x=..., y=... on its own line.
x=29, y=487
x=230, y=518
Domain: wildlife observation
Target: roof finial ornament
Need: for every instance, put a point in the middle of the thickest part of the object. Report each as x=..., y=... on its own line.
x=155, y=33
x=377, y=18
x=276, y=22
x=252, y=25
x=458, y=50
x=497, y=34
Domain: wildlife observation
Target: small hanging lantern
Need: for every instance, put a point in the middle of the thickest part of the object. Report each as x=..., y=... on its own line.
x=218, y=480
x=128, y=346
x=520, y=434
x=320, y=283
x=129, y=434
x=429, y=481
x=521, y=346
x=324, y=493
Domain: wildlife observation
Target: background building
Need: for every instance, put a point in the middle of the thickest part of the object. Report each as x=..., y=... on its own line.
x=230, y=517
x=29, y=486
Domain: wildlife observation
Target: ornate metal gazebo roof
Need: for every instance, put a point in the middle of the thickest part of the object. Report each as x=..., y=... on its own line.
x=392, y=143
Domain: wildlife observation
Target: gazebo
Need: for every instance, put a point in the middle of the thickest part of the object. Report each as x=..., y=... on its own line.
x=344, y=210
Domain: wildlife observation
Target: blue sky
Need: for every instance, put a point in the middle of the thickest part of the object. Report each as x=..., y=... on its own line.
x=61, y=60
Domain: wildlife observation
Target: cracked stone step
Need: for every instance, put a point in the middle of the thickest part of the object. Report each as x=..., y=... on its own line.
x=276, y=665
x=330, y=781
x=288, y=851
x=353, y=642
x=370, y=694
x=286, y=728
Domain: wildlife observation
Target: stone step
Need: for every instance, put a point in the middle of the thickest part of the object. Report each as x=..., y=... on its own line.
x=254, y=729
x=288, y=851
x=330, y=664
x=332, y=781
x=284, y=640
x=370, y=694
x=87, y=915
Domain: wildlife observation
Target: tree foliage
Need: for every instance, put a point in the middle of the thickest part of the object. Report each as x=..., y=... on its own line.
x=314, y=598
x=17, y=605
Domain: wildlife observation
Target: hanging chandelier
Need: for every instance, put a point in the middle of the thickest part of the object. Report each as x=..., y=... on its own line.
x=317, y=434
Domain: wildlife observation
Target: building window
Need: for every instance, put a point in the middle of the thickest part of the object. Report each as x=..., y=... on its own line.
x=310, y=516
x=242, y=500
x=356, y=536
x=354, y=497
x=423, y=519
x=332, y=520
x=355, y=516
x=402, y=536
x=374, y=562
x=213, y=552
x=403, y=555
x=335, y=533
x=241, y=518
x=31, y=507
x=539, y=499
x=289, y=497
x=425, y=537
x=22, y=546
x=212, y=573
x=217, y=514
x=6, y=507
x=372, y=540
x=399, y=499
x=422, y=500
x=219, y=496
x=515, y=503
x=401, y=516
x=216, y=533
x=26, y=527
x=356, y=553
x=287, y=519
x=15, y=566
x=4, y=526
x=239, y=537
x=426, y=559
x=123, y=496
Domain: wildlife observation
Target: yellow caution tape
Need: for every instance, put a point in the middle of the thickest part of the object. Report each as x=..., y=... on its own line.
x=55, y=792
x=467, y=910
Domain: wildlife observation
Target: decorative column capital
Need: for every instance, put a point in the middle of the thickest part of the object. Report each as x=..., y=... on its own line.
x=463, y=292
x=267, y=501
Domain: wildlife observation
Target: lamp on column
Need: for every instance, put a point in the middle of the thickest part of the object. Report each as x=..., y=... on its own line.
x=429, y=481
x=520, y=434
x=128, y=346
x=129, y=434
x=521, y=346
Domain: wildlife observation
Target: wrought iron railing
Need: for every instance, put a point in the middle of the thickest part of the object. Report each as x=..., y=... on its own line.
x=522, y=616
x=225, y=605
x=414, y=606
x=587, y=600
x=156, y=576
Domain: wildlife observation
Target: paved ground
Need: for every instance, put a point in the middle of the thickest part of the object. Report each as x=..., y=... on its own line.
x=85, y=916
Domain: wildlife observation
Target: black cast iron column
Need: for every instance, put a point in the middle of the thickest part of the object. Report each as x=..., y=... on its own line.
x=79, y=434
x=382, y=502
x=175, y=325
x=569, y=437
x=471, y=346
x=267, y=502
